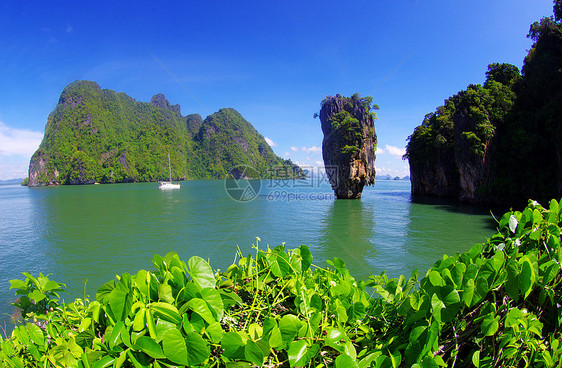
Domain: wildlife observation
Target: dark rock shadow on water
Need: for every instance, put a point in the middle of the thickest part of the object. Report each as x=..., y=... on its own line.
x=454, y=205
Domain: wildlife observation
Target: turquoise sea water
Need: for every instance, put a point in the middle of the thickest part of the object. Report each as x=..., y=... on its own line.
x=92, y=233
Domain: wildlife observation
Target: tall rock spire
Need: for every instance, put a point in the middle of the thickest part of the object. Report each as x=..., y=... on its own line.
x=349, y=143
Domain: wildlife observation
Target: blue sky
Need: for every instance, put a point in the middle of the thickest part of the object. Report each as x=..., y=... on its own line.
x=273, y=61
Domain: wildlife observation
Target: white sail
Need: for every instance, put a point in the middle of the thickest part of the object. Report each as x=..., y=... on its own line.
x=169, y=184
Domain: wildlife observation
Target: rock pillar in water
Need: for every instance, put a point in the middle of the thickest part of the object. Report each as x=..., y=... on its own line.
x=349, y=143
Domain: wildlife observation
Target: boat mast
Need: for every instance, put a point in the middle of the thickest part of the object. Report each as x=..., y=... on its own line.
x=169, y=167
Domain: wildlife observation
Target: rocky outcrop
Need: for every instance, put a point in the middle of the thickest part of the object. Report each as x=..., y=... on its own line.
x=159, y=100
x=437, y=176
x=447, y=158
x=500, y=141
x=193, y=123
x=75, y=93
x=349, y=144
x=41, y=171
x=454, y=152
x=458, y=172
x=474, y=168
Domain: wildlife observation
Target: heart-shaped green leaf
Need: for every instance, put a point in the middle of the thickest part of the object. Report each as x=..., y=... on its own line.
x=233, y=345
x=201, y=272
x=198, y=349
x=150, y=347
x=253, y=353
x=175, y=347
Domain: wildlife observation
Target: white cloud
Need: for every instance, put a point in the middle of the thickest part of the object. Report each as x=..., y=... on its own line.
x=308, y=163
x=312, y=149
x=270, y=142
x=13, y=170
x=294, y=149
x=16, y=148
x=18, y=141
x=395, y=151
x=379, y=151
x=287, y=154
x=69, y=29
x=386, y=170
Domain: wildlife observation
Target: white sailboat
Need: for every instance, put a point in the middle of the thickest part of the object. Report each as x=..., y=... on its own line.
x=169, y=184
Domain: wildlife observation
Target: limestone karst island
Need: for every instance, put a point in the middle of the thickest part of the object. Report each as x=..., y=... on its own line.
x=97, y=135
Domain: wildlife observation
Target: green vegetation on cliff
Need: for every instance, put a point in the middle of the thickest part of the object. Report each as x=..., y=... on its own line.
x=346, y=125
x=486, y=106
x=226, y=137
x=349, y=143
x=497, y=305
x=499, y=141
x=96, y=135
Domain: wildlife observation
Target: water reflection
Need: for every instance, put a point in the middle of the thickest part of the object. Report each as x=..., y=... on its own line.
x=390, y=236
x=388, y=230
x=22, y=248
x=347, y=233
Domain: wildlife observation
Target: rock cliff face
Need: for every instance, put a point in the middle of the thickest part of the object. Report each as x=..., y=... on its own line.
x=451, y=153
x=474, y=168
x=457, y=172
x=96, y=135
x=349, y=144
x=435, y=177
x=500, y=142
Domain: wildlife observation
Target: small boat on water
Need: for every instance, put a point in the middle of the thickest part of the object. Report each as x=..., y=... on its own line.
x=169, y=184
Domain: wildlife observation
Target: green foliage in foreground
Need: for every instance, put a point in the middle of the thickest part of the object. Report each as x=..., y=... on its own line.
x=498, y=304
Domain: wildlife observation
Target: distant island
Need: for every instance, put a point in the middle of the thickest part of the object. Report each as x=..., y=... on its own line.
x=390, y=177
x=12, y=181
x=499, y=142
x=97, y=135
